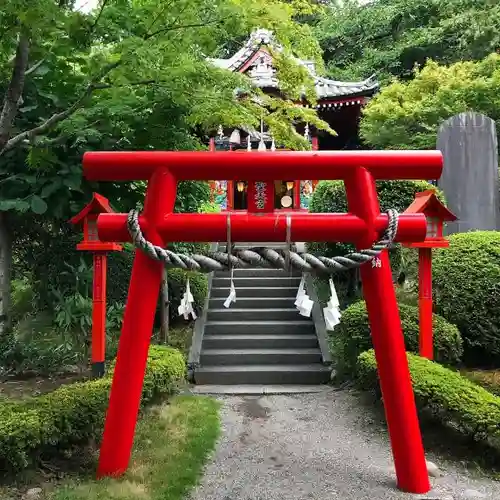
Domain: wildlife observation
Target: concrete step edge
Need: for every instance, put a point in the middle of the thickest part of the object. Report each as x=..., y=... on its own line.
x=317, y=367
x=256, y=323
x=260, y=351
x=261, y=336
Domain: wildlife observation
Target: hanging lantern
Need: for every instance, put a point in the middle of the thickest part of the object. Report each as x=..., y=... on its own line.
x=240, y=186
x=289, y=185
x=235, y=137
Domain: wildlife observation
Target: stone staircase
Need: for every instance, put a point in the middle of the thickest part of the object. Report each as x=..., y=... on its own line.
x=261, y=338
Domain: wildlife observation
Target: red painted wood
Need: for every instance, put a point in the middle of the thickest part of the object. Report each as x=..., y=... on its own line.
x=163, y=169
x=388, y=342
x=253, y=195
x=425, y=302
x=99, y=308
x=128, y=378
x=255, y=166
x=263, y=227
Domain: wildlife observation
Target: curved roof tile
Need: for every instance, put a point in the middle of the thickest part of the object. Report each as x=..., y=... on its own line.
x=325, y=88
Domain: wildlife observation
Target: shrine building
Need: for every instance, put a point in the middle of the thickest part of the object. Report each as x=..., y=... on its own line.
x=339, y=104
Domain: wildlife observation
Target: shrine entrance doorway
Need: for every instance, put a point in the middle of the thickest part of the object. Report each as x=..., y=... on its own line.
x=285, y=195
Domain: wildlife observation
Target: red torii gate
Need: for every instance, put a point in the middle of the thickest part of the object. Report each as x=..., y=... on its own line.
x=359, y=170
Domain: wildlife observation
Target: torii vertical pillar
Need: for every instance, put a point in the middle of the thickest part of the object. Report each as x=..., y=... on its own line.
x=388, y=342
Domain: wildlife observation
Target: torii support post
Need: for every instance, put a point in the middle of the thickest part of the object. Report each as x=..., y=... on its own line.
x=425, y=302
x=359, y=169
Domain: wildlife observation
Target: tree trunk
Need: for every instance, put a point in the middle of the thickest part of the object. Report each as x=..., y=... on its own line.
x=5, y=273
x=164, y=308
x=14, y=90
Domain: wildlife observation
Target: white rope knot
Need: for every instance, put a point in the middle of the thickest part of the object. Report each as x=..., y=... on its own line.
x=261, y=256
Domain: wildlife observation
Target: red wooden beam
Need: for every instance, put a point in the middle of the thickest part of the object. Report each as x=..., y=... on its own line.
x=262, y=227
x=256, y=166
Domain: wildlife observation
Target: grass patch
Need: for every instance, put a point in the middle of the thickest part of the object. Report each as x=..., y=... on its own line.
x=489, y=379
x=172, y=443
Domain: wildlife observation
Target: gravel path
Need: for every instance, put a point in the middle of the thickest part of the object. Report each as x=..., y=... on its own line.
x=314, y=446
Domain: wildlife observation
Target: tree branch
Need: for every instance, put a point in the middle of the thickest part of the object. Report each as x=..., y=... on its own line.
x=59, y=117
x=15, y=89
x=33, y=68
x=94, y=84
x=98, y=18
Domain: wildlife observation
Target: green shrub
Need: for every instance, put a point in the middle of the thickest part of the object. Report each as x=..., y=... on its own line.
x=74, y=414
x=352, y=337
x=466, y=283
x=450, y=397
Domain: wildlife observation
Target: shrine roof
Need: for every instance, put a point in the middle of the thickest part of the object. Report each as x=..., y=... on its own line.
x=426, y=202
x=99, y=204
x=325, y=87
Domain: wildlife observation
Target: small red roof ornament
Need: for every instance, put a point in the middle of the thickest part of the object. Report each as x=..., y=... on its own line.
x=98, y=205
x=88, y=217
x=437, y=214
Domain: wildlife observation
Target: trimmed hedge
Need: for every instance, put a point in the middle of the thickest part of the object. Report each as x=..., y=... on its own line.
x=451, y=398
x=352, y=337
x=74, y=414
x=466, y=283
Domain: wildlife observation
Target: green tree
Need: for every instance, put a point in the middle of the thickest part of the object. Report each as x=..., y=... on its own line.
x=389, y=37
x=407, y=115
x=133, y=74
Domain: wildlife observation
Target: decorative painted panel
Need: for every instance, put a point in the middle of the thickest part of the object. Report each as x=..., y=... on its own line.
x=260, y=196
x=306, y=191
x=220, y=194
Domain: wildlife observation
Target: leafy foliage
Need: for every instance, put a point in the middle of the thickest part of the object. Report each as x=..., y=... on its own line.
x=466, y=284
x=390, y=37
x=447, y=395
x=353, y=336
x=407, y=115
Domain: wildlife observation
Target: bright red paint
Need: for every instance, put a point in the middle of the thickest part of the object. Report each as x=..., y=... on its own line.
x=88, y=216
x=359, y=169
x=428, y=204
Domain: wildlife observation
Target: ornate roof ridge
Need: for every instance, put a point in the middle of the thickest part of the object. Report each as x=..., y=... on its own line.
x=326, y=88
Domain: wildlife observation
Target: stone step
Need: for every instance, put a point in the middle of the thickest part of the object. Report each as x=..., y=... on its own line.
x=254, y=302
x=259, y=341
x=297, y=327
x=256, y=291
x=259, y=273
x=258, y=282
x=218, y=357
x=263, y=374
x=234, y=313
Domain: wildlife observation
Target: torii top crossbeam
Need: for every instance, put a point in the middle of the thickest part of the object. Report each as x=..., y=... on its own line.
x=256, y=166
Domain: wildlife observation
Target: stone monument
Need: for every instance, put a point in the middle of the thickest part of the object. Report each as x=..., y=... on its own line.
x=468, y=142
